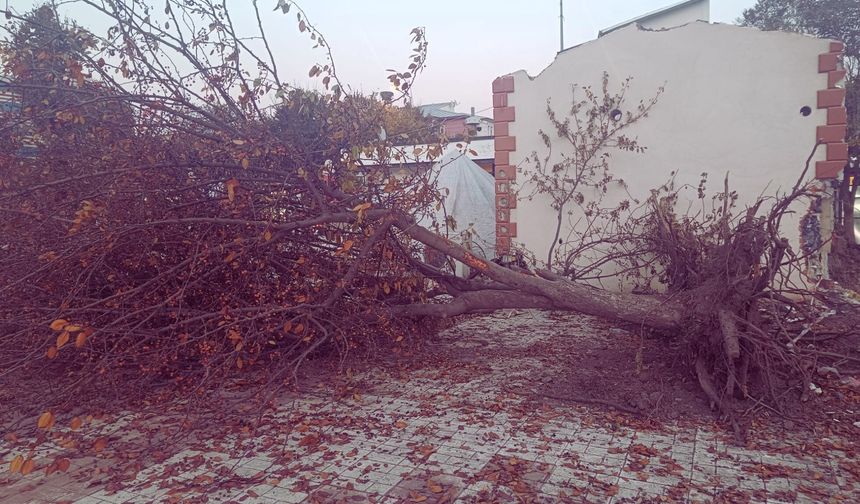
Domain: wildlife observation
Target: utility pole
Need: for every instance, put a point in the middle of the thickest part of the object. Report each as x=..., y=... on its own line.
x=561, y=24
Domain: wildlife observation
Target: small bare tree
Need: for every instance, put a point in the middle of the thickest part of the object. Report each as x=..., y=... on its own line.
x=578, y=176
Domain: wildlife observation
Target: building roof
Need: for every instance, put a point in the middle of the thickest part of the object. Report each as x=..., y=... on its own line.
x=650, y=15
x=476, y=149
x=444, y=110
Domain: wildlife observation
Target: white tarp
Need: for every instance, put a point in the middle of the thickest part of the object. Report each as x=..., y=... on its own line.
x=470, y=198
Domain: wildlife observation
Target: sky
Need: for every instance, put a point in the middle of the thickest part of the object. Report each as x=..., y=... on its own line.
x=470, y=41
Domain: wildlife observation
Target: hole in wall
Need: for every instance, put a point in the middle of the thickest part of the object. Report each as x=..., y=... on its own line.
x=805, y=110
x=615, y=115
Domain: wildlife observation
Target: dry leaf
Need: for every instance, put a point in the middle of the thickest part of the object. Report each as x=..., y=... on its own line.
x=46, y=420
x=59, y=324
x=434, y=487
x=52, y=352
x=16, y=464
x=400, y=424
x=63, y=464
x=62, y=339
x=100, y=445
x=267, y=235
x=310, y=440
x=231, y=184
x=28, y=466
x=81, y=339
x=76, y=423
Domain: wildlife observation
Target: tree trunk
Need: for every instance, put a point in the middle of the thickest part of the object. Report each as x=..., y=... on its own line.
x=655, y=312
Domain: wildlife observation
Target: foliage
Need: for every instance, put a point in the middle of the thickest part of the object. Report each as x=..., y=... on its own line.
x=406, y=125
x=174, y=225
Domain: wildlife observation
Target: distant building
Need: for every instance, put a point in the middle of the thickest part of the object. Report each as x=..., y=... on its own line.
x=10, y=101
x=409, y=158
x=10, y=109
x=467, y=133
x=458, y=125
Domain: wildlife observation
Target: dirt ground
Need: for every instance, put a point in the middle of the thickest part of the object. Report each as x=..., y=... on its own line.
x=589, y=361
x=571, y=359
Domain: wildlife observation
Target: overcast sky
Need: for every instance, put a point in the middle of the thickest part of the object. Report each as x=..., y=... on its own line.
x=471, y=41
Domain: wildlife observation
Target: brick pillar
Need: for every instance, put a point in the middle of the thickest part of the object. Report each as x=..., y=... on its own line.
x=832, y=134
x=506, y=174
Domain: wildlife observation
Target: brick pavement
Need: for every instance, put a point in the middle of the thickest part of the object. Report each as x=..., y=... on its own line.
x=428, y=436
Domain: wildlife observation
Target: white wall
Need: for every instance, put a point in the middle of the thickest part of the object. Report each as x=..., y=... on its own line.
x=487, y=129
x=731, y=105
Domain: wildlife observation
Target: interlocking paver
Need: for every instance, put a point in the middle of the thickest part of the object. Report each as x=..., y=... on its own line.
x=461, y=438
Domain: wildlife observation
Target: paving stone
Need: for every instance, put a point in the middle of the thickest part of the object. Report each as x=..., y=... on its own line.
x=469, y=432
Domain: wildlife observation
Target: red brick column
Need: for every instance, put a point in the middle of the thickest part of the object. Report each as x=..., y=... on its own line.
x=832, y=134
x=506, y=174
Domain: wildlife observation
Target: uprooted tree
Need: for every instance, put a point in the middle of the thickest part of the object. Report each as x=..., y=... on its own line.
x=174, y=212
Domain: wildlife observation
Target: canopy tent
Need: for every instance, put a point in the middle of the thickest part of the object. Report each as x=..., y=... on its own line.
x=470, y=199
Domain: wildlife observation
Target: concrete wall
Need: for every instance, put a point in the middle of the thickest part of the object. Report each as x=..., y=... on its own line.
x=454, y=128
x=732, y=104
x=459, y=128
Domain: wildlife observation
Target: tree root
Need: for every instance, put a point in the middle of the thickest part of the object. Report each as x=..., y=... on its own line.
x=730, y=334
x=707, y=385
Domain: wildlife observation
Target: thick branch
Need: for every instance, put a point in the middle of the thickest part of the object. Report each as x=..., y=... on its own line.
x=650, y=311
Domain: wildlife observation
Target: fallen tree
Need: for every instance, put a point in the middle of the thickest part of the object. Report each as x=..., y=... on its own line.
x=170, y=229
